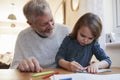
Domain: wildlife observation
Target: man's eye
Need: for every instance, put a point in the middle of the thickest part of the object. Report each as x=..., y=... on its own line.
x=51, y=20
x=45, y=24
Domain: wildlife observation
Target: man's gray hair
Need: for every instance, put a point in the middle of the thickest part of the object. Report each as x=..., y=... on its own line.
x=35, y=8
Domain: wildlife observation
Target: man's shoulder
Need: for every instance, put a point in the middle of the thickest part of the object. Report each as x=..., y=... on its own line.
x=62, y=27
x=25, y=31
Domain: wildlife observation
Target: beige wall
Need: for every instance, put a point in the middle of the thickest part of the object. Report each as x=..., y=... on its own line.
x=108, y=18
x=113, y=50
x=71, y=16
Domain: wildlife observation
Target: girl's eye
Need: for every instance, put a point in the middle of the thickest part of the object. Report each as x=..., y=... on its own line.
x=90, y=38
x=82, y=35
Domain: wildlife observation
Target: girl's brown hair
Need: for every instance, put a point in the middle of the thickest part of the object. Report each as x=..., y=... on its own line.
x=91, y=21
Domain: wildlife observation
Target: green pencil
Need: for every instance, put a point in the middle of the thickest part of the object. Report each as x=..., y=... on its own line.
x=42, y=73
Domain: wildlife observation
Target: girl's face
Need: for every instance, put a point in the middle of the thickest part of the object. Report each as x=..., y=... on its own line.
x=84, y=36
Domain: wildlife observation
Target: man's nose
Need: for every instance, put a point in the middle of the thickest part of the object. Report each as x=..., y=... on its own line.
x=51, y=24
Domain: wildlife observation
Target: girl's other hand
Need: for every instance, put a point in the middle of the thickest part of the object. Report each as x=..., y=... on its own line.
x=92, y=68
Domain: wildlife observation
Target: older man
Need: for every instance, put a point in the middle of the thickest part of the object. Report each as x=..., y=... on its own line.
x=36, y=46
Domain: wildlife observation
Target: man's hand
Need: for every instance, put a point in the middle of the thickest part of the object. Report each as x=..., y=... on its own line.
x=30, y=64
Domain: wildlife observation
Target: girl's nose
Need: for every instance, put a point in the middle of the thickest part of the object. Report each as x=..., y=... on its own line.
x=85, y=40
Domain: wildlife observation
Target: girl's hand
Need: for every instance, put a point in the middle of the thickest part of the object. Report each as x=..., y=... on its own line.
x=92, y=68
x=75, y=66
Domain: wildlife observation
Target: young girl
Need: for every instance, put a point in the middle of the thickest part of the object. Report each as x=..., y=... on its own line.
x=78, y=48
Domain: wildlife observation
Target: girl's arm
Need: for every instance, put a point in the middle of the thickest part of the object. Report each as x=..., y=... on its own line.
x=71, y=66
x=93, y=68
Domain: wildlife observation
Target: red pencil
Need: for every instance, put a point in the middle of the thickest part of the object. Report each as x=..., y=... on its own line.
x=47, y=76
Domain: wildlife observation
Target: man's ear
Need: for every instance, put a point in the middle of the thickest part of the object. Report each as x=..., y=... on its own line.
x=29, y=23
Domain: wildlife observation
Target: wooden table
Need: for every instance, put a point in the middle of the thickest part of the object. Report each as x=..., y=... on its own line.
x=13, y=74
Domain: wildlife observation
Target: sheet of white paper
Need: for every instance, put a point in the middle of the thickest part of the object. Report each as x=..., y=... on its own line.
x=84, y=76
x=99, y=71
x=104, y=70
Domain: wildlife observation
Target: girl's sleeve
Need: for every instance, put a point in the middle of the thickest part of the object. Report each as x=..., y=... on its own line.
x=62, y=50
x=100, y=53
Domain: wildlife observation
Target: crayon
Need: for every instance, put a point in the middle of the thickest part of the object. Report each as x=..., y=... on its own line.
x=42, y=73
x=47, y=76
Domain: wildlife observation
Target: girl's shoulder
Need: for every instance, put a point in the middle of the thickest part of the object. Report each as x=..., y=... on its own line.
x=67, y=39
x=95, y=44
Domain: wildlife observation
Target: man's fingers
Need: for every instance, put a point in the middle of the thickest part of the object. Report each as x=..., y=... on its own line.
x=20, y=67
x=31, y=65
x=36, y=64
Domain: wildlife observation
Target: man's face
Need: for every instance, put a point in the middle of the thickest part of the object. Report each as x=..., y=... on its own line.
x=44, y=24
